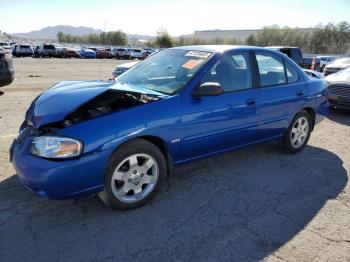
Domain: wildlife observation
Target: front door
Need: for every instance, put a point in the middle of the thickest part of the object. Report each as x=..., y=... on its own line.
x=218, y=123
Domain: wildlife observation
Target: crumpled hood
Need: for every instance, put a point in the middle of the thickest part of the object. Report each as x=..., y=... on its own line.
x=64, y=97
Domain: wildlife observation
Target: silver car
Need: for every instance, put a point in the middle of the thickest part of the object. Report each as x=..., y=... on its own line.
x=120, y=69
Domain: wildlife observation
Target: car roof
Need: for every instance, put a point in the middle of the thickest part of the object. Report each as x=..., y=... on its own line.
x=218, y=48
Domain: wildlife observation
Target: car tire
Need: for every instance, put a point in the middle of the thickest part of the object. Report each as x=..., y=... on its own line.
x=298, y=133
x=134, y=174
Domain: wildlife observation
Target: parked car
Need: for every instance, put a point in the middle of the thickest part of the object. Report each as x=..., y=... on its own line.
x=136, y=53
x=5, y=45
x=306, y=62
x=120, y=69
x=292, y=52
x=336, y=66
x=22, y=50
x=176, y=106
x=103, y=53
x=36, y=49
x=121, y=53
x=7, y=72
x=148, y=51
x=87, y=53
x=60, y=51
x=322, y=61
x=47, y=50
x=70, y=52
x=92, y=48
x=339, y=89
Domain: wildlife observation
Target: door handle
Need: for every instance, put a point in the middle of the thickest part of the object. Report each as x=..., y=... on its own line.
x=300, y=93
x=250, y=102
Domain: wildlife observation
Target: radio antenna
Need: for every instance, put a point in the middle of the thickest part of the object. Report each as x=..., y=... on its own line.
x=104, y=30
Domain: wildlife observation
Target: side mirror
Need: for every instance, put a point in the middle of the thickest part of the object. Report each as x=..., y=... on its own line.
x=208, y=89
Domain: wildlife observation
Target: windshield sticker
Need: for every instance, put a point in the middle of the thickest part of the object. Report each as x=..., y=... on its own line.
x=190, y=64
x=199, y=54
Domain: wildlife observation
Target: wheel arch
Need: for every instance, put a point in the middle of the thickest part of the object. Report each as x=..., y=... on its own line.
x=312, y=113
x=159, y=143
x=163, y=147
x=308, y=110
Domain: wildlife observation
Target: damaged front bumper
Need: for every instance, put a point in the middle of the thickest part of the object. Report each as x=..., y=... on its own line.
x=74, y=109
x=58, y=179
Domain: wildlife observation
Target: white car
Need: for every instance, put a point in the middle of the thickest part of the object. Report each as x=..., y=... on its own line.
x=336, y=66
x=120, y=69
x=136, y=53
x=121, y=53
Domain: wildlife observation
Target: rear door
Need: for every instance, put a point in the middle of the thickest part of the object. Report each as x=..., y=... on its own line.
x=282, y=93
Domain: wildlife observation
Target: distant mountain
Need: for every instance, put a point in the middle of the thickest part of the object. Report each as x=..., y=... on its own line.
x=51, y=32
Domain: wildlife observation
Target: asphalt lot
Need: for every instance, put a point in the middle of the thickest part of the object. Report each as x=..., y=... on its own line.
x=250, y=205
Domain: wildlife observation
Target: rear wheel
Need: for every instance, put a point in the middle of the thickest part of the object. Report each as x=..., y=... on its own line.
x=298, y=133
x=134, y=174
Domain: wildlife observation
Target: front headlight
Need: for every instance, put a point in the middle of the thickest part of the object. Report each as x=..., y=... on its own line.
x=56, y=147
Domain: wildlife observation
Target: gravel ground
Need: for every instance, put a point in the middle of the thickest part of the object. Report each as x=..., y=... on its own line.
x=250, y=205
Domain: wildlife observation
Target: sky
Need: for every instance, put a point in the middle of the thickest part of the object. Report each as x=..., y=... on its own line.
x=177, y=17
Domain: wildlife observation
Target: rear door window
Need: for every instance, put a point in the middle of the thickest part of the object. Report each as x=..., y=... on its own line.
x=271, y=69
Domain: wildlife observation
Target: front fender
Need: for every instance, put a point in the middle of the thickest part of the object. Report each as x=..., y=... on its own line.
x=158, y=119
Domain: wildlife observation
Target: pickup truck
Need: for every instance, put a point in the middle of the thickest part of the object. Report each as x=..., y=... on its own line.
x=293, y=53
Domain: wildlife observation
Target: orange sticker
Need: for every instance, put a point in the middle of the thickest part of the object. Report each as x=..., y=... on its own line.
x=190, y=64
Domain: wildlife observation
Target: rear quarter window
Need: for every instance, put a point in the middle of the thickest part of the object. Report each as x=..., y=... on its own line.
x=292, y=74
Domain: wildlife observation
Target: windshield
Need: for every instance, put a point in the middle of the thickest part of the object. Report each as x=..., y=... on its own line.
x=167, y=71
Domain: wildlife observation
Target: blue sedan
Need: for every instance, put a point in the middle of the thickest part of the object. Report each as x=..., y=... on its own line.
x=87, y=53
x=120, y=139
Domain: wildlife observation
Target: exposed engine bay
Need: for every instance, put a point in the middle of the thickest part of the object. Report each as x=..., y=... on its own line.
x=107, y=102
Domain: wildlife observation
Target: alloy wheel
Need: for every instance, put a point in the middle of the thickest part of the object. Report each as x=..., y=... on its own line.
x=135, y=178
x=299, y=132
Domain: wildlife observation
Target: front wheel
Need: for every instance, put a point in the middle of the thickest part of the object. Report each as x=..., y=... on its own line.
x=133, y=175
x=298, y=133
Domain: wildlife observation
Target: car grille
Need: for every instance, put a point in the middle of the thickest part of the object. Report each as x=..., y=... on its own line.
x=339, y=90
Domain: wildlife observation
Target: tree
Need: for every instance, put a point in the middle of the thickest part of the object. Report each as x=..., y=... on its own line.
x=251, y=40
x=109, y=38
x=163, y=39
x=118, y=38
x=341, y=36
x=60, y=36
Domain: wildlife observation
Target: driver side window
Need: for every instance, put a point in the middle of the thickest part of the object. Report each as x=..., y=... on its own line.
x=233, y=72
